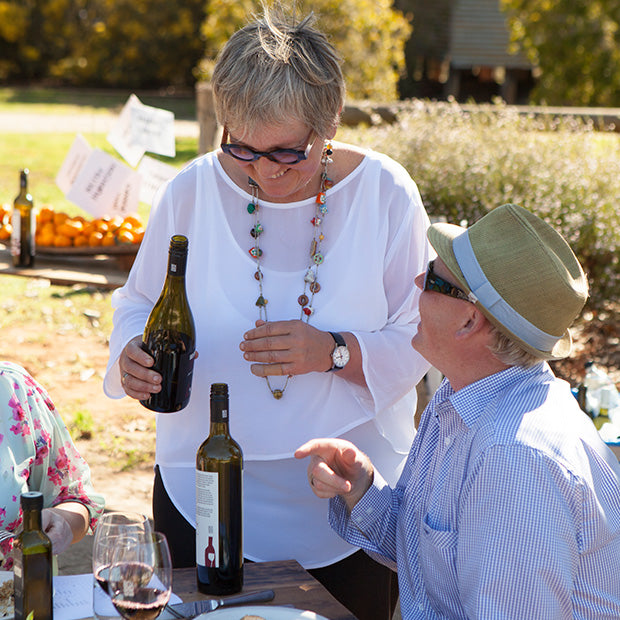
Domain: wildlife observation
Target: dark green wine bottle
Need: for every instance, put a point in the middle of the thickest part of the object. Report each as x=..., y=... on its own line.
x=170, y=336
x=33, y=563
x=219, y=494
x=24, y=224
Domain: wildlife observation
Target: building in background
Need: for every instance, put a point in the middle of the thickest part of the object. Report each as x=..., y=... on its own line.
x=459, y=48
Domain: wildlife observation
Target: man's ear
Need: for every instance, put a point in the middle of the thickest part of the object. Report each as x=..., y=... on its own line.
x=473, y=322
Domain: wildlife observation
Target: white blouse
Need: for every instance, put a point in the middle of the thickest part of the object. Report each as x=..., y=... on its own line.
x=375, y=244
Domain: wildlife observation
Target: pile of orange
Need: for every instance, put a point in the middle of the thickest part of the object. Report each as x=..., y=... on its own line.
x=5, y=222
x=60, y=230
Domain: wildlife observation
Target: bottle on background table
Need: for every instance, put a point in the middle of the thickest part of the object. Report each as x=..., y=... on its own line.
x=24, y=224
x=170, y=335
x=33, y=563
x=219, y=537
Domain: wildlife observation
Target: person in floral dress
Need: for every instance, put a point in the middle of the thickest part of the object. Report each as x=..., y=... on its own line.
x=37, y=454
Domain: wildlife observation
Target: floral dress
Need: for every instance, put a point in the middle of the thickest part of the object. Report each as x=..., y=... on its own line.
x=36, y=454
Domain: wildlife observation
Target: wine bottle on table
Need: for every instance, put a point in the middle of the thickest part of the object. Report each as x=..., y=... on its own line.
x=32, y=571
x=170, y=335
x=24, y=223
x=219, y=539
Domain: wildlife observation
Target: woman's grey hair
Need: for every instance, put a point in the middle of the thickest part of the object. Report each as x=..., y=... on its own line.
x=510, y=352
x=272, y=71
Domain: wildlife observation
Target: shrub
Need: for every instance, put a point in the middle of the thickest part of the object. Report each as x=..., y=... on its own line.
x=467, y=162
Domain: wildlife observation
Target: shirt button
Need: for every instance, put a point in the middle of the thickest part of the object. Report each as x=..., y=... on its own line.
x=420, y=606
x=447, y=441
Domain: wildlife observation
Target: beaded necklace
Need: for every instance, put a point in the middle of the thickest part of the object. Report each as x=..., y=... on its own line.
x=311, y=283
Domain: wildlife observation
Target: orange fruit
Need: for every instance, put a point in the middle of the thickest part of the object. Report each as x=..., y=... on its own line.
x=138, y=234
x=70, y=228
x=89, y=227
x=46, y=214
x=62, y=241
x=80, y=241
x=95, y=238
x=101, y=225
x=108, y=239
x=59, y=218
x=125, y=236
x=5, y=231
x=115, y=222
x=45, y=238
x=133, y=220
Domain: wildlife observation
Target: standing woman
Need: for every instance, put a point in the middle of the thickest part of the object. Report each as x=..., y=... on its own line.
x=302, y=252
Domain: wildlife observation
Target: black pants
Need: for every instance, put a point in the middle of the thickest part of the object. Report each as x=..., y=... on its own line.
x=366, y=588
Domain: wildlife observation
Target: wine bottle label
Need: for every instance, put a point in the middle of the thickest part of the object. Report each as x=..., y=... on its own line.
x=207, y=518
x=16, y=233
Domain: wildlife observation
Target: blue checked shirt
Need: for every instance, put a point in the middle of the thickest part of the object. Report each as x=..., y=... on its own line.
x=508, y=507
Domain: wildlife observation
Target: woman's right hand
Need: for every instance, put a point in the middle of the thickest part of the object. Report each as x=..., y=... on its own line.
x=137, y=378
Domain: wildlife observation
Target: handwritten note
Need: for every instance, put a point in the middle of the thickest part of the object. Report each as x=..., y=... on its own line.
x=106, y=186
x=153, y=174
x=73, y=597
x=74, y=161
x=142, y=128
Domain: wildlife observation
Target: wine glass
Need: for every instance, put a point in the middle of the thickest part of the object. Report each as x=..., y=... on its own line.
x=112, y=529
x=140, y=578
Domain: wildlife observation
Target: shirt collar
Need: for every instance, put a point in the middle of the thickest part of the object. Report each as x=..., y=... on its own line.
x=470, y=402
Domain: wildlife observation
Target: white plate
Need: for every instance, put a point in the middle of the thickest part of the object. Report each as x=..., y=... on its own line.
x=6, y=575
x=268, y=612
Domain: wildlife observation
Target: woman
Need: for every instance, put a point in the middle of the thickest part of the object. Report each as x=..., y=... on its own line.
x=324, y=335
x=37, y=454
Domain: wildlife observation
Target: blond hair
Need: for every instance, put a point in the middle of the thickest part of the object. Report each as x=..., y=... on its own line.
x=274, y=70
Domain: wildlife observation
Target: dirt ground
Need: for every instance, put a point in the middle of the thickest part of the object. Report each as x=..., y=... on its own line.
x=121, y=446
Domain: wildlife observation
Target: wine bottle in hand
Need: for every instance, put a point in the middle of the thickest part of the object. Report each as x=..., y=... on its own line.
x=219, y=465
x=170, y=336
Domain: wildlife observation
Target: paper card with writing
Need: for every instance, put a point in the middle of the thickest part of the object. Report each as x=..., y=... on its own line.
x=106, y=186
x=120, y=136
x=74, y=161
x=153, y=129
x=153, y=174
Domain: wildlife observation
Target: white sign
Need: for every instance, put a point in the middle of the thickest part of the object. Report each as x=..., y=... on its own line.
x=74, y=161
x=142, y=128
x=153, y=174
x=106, y=186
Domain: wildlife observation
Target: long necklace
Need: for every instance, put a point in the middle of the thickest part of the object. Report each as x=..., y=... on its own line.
x=311, y=282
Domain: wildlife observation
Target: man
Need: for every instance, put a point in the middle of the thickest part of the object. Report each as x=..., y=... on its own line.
x=509, y=503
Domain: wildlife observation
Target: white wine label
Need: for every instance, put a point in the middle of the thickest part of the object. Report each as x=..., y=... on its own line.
x=207, y=518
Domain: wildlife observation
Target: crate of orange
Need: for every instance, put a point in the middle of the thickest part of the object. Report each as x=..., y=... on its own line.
x=60, y=233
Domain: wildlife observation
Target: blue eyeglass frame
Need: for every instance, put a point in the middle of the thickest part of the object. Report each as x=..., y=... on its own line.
x=228, y=147
x=432, y=282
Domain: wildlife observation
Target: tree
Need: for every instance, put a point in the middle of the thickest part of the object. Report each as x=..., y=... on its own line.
x=369, y=34
x=575, y=44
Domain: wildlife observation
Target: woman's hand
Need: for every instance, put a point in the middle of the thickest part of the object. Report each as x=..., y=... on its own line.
x=287, y=348
x=65, y=524
x=137, y=378
x=337, y=467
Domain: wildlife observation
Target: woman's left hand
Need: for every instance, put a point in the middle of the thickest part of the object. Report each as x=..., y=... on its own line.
x=57, y=529
x=287, y=348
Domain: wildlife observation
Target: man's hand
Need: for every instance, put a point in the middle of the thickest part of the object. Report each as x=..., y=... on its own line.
x=337, y=467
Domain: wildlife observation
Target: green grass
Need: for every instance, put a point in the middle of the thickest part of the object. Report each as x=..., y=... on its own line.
x=71, y=101
x=43, y=155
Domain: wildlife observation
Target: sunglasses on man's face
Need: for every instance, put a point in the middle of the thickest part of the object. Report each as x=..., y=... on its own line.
x=432, y=282
x=280, y=156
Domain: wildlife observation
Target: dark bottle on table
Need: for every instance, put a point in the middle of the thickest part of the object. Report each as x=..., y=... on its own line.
x=219, y=537
x=33, y=563
x=170, y=336
x=24, y=224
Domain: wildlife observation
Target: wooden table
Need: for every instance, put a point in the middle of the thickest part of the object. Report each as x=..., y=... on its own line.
x=104, y=270
x=291, y=583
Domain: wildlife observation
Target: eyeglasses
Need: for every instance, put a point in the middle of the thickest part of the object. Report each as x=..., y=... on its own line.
x=432, y=282
x=280, y=156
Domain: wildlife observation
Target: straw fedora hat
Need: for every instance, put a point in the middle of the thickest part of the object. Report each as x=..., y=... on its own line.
x=521, y=274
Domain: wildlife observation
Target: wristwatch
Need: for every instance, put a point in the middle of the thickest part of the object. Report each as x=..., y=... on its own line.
x=340, y=354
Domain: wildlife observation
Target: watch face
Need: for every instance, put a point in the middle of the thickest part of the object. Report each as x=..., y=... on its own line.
x=340, y=356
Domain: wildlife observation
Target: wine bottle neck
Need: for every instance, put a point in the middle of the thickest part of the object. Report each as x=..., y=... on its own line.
x=32, y=520
x=177, y=262
x=219, y=415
